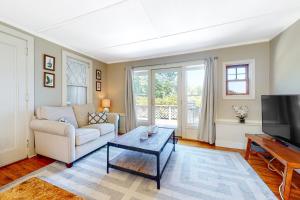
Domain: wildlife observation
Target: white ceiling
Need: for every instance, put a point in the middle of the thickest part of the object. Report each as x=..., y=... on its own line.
x=123, y=30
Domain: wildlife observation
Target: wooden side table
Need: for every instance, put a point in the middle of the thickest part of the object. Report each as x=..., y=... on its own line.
x=289, y=157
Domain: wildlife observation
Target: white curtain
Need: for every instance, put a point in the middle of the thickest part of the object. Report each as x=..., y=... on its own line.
x=130, y=119
x=76, y=95
x=207, y=114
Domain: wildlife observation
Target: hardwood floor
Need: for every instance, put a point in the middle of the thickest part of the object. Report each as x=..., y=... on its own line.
x=14, y=171
x=272, y=179
x=21, y=168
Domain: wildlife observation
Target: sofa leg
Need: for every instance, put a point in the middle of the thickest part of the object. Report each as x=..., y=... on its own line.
x=69, y=165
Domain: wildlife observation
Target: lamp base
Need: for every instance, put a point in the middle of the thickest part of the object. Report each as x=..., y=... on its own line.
x=105, y=109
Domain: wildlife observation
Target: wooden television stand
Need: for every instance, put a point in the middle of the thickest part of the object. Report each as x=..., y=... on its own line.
x=289, y=157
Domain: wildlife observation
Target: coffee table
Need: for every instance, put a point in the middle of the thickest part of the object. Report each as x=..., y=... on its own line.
x=147, y=158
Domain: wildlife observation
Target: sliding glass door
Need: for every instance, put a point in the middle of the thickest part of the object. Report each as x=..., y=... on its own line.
x=170, y=97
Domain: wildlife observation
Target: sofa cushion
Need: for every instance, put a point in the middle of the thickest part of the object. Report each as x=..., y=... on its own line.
x=104, y=128
x=55, y=113
x=82, y=113
x=85, y=135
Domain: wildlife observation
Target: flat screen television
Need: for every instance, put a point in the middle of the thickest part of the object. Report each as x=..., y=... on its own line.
x=281, y=117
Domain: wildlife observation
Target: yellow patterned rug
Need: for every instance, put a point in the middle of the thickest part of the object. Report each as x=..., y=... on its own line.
x=37, y=189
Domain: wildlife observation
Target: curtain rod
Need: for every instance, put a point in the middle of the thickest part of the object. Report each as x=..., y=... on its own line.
x=166, y=63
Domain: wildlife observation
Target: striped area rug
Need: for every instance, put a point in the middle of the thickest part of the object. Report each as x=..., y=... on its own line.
x=192, y=173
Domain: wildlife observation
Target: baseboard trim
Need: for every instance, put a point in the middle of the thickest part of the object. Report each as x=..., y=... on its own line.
x=235, y=145
x=33, y=155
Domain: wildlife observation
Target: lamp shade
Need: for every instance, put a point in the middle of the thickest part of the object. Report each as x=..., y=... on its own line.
x=106, y=103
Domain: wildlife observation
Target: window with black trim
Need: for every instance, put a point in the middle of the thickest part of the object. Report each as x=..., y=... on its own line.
x=237, y=79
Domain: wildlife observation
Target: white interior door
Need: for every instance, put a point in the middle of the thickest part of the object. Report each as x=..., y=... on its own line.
x=166, y=98
x=14, y=108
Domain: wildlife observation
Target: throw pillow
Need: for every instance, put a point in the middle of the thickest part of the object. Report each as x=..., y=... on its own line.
x=97, y=118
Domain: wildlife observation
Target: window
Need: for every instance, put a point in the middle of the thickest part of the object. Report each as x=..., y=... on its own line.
x=76, y=79
x=76, y=74
x=237, y=79
x=141, y=91
x=239, y=82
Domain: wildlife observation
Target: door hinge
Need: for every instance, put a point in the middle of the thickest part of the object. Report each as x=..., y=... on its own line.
x=26, y=51
x=27, y=143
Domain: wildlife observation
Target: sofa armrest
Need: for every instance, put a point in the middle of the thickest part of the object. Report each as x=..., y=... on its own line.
x=113, y=118
x=54, y=139
x=52, y=127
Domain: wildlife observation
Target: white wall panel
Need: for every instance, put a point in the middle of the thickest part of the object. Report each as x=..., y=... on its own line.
x=231, y=134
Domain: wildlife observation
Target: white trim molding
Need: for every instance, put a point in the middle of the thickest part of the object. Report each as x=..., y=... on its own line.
x=65, y=55
x=236, y=122
x=251, y=95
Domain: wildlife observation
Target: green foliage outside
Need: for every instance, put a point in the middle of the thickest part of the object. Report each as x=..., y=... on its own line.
x=166, y=85
x=140, y=85
x=165, y=90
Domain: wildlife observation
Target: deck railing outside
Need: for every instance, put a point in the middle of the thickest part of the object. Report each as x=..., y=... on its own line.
x=168, y=113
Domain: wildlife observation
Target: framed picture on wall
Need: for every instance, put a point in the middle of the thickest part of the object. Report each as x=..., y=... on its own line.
x=49, y=80
x=98, y=86
x=49, y=62
x=98, y=74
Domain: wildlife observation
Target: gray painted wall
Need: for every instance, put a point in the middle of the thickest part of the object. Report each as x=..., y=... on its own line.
x=285, y=61
x=259, y=52
x=46, y=96
x=53, y=96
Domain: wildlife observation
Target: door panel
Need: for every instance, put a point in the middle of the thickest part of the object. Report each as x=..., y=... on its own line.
x=166, y=98
x=13, y=103
x=141, y=89
x=192, y=100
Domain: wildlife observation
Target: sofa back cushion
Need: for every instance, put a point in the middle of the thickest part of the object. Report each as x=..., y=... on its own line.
x=55, y=113
x=82, y=113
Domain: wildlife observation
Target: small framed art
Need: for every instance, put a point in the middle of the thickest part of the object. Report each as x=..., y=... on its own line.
x=98, y=86
x=98, y=74
x=49, y=62
x=49, y=80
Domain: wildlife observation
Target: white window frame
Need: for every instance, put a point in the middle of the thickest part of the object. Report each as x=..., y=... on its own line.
x=251, y=64
x=65, y=55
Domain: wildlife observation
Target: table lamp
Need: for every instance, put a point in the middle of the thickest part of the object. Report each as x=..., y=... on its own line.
x=106, y=105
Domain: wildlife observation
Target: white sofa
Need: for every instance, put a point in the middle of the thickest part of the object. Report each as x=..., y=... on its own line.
x=68, y=142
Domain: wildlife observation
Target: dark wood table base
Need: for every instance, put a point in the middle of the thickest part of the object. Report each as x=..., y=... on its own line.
x=142, y=162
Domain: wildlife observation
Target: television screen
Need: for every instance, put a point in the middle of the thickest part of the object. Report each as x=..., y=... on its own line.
x=281, y=117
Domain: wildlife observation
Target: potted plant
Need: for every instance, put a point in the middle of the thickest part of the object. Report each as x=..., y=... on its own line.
x=241, y=112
